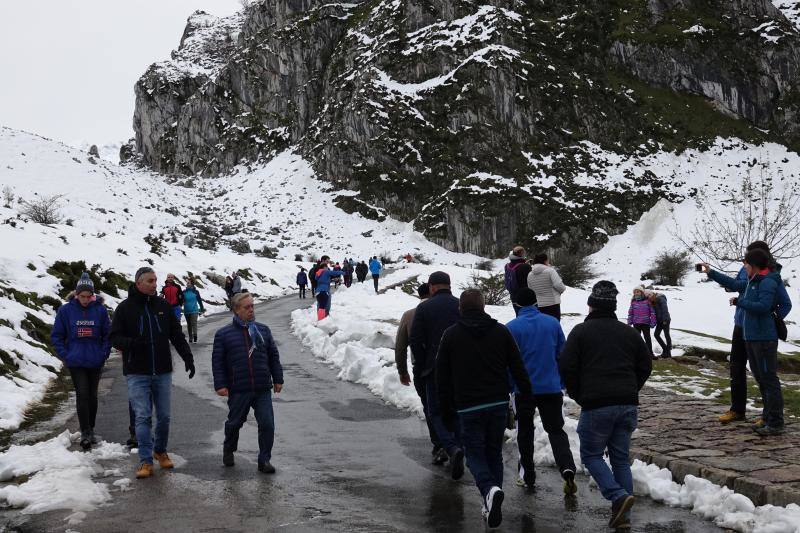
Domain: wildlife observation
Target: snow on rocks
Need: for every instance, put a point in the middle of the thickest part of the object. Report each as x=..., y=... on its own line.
x=59, y=478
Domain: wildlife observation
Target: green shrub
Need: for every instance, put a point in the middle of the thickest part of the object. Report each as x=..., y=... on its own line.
x=669, y=268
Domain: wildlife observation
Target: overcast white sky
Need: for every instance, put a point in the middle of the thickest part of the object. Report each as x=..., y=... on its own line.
x=67, y=67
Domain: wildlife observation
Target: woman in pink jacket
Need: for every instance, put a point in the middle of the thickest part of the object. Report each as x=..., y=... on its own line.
x=642, y=316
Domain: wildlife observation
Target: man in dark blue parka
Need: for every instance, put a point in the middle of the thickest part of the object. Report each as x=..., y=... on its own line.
x=246, y=368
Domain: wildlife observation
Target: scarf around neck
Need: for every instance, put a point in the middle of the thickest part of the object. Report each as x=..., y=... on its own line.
x=252, y=329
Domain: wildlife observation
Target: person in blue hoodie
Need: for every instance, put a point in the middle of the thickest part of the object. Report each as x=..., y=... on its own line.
x=738, y=356
x=375, y=269
x=323, y=276
x=302, y=281
x=192, y=307
x=540, y=340
x=81, y=337
x=758, y=301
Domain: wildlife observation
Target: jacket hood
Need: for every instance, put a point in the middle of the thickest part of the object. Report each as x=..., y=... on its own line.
x=600, y=313
x=538, y=268
x=478, y=323
x=512, y=257
x=529, y=310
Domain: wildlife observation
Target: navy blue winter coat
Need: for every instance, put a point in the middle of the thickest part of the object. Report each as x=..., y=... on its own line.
x=759, y=298
x=302, y=278
x=431, y=319
x=81, y=335
x=235, y=370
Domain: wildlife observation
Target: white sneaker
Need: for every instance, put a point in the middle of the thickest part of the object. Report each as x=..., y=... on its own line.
x=494, y=502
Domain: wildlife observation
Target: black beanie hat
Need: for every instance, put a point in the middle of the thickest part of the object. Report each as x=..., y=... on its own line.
x=604, y=296
x=526, y=297
x=439, y=278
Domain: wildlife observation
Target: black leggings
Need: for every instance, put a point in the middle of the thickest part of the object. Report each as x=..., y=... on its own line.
x=644, y=330
x=86, y=381
x=665, y=346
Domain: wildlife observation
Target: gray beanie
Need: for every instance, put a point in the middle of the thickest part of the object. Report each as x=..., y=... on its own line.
x=85, y=284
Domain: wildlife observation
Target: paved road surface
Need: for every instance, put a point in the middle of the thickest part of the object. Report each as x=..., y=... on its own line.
x=345, y=460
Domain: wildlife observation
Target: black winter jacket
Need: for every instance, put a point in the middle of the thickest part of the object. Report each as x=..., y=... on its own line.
x=474, y=361
x=604, y=362
x=432, y=317
x=142, y=329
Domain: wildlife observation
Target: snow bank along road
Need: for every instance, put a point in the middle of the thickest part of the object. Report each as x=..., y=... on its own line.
x=346, y=462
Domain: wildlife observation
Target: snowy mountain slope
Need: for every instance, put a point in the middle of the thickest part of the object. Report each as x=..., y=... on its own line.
x=112, y=211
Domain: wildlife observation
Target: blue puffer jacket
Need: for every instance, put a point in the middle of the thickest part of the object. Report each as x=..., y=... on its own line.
x=757, y=301
x=784, y=303
x=324, y=276
x=81, y=335
x=192, y=302
x=540, y=340
x=237, y=372
x=302, y=278
x=375, y=267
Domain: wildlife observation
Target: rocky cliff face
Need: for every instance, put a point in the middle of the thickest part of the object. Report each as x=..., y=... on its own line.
x=486, y=122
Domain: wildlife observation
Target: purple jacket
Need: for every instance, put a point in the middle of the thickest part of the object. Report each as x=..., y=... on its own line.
x=641, y=312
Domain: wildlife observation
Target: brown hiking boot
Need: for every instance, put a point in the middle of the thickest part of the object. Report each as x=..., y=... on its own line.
x=163, y=460
x=758, y=424
x=731, y=416
x=144, y=470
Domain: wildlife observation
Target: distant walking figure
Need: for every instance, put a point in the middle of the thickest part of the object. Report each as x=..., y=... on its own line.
x=375, y=269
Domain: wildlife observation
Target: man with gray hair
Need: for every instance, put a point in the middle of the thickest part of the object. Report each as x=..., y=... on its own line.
x=247, y=368
x=143, y=327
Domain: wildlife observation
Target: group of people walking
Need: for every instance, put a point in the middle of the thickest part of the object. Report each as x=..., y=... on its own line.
x=245, y=362
x=325, y=273
x=468, y=370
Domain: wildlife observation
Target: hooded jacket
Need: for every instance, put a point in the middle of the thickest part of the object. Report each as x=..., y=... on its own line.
x=239, y=370
x=547, y=284
x=475, y=358
x=142, y=329
x=520, y=267
x=540, y=340
x=192, y=302
x=323, y=277
x=783, y=304
x=661, y=309
x=172, y=293
x=302, y=278
x=81, y=334
x=431, y=319
x=604, y=362
x=375, y=267
x=759, y=298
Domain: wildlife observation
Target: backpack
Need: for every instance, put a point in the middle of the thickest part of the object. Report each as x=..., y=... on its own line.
x=510, y=275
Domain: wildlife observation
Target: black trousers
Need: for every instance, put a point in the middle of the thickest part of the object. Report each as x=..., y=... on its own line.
x=665, y=346
x=375, y=280
x=552, y=310
x=419, y=385
x=302, y=291
x=738, y=371
x=644, y=330
x=86, y=381
x=550, y=411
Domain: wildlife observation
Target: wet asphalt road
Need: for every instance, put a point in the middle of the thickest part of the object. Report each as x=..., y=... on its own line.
x=345, y=460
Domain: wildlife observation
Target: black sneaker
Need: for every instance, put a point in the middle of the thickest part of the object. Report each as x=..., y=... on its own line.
x=86, y=442
x=619, y=510
x=227, y=458
x=458, y=464
x=769, y=431
x=439, y=457
x=494, y=503
x=266, y=468
x=94, y=438
x=132, y=442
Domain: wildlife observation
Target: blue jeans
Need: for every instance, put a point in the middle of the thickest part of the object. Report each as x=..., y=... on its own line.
x=482, y=433
x=239, y=404
x=449, y=441
x=608, y=427
x=177, y=310
x=145, y=392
